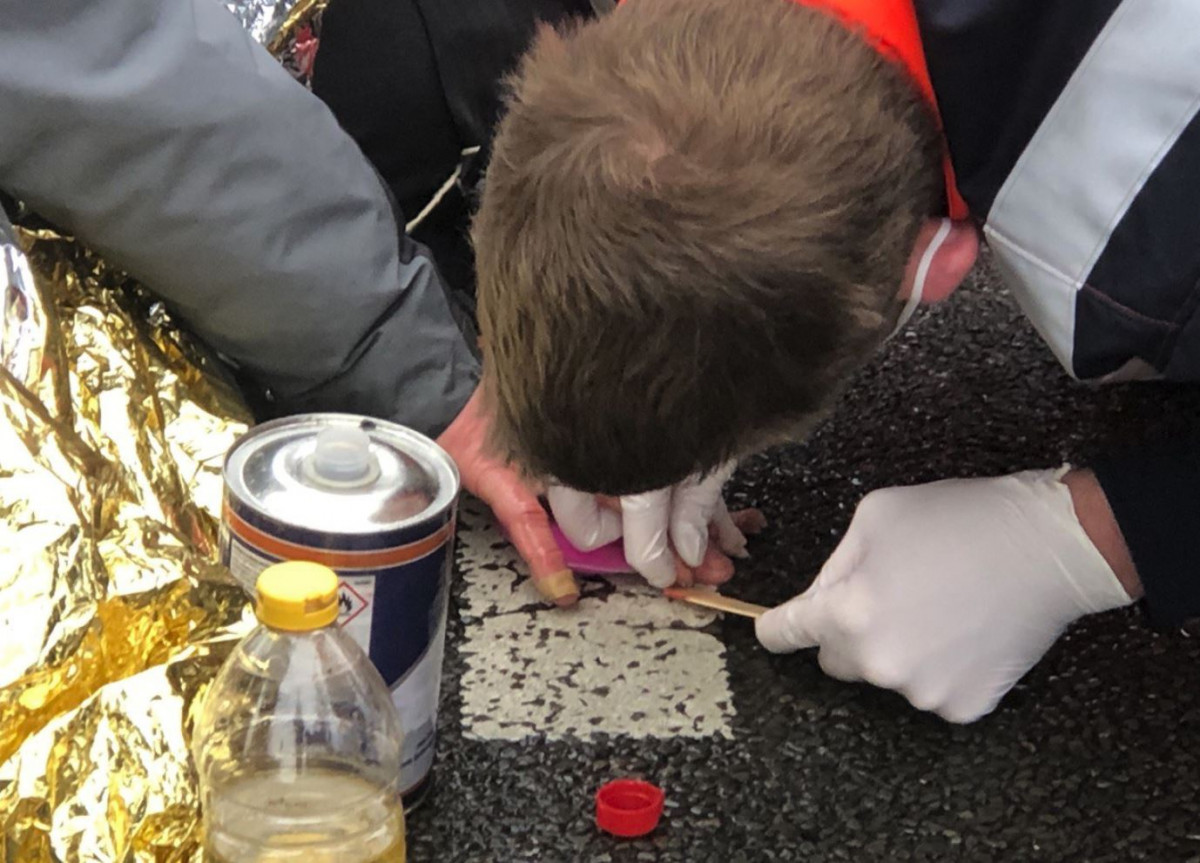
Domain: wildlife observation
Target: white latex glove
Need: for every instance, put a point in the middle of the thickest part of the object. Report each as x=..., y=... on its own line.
x=653, y=522
x=949, y=592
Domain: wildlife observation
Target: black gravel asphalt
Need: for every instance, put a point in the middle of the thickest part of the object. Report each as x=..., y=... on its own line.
x=1095, y=756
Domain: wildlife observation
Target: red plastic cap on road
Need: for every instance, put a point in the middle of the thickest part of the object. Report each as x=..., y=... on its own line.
x=628, y=807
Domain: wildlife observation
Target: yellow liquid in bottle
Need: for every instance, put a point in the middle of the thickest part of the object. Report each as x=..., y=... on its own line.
x=323, y=816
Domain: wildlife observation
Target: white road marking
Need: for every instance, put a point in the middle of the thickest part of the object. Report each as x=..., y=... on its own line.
x=624, y=661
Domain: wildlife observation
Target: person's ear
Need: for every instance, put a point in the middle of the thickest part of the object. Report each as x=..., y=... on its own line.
x=950, y=263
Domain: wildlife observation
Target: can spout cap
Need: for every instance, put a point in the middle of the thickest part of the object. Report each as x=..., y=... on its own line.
x=343, y=457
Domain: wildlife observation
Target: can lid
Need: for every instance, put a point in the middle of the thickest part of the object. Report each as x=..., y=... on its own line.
x=341, y=474
x=297, y=596
x=628, y=807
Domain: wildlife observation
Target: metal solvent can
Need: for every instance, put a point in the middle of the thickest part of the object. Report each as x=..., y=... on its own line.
x=376, y=502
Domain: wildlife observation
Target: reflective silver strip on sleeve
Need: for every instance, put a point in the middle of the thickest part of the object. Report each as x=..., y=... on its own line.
x=1120, y=113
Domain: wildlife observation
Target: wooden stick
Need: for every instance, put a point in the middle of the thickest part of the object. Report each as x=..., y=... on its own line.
x=712, y=599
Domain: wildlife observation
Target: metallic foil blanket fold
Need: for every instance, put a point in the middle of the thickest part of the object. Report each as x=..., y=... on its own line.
x=289, y=29
x=113, y=614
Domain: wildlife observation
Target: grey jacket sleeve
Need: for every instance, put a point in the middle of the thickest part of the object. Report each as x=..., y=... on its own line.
x=161, y=134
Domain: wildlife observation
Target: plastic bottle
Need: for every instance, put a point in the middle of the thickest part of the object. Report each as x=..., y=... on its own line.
x=297, y=743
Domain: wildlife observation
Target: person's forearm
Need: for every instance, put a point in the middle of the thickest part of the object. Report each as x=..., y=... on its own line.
x=1099, y=523
x=1153, y=493
x=162, y=135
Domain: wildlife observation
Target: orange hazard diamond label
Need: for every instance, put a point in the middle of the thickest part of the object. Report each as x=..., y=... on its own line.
x=351, y=603
x=356, y=594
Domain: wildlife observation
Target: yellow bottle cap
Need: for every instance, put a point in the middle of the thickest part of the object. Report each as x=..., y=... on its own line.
x=297, y=596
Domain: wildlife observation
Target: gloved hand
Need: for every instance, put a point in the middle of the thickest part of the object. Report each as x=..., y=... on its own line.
x=681, y=517
x=514, y=503
x=949, y=592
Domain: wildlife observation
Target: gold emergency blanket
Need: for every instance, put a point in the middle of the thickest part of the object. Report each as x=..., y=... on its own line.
x=114, y=615
x=112, y=612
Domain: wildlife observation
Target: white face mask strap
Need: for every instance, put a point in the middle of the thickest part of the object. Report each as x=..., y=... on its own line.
x=918, y=288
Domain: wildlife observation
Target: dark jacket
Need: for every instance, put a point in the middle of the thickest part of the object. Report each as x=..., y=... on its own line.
x=389, y=67
x=1075, y=137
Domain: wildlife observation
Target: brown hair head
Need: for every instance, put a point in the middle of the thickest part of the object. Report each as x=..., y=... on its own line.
x=693, y=229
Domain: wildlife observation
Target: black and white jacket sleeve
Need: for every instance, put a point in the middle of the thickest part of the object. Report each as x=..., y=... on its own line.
x=1075, y=135
x=160, y=133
